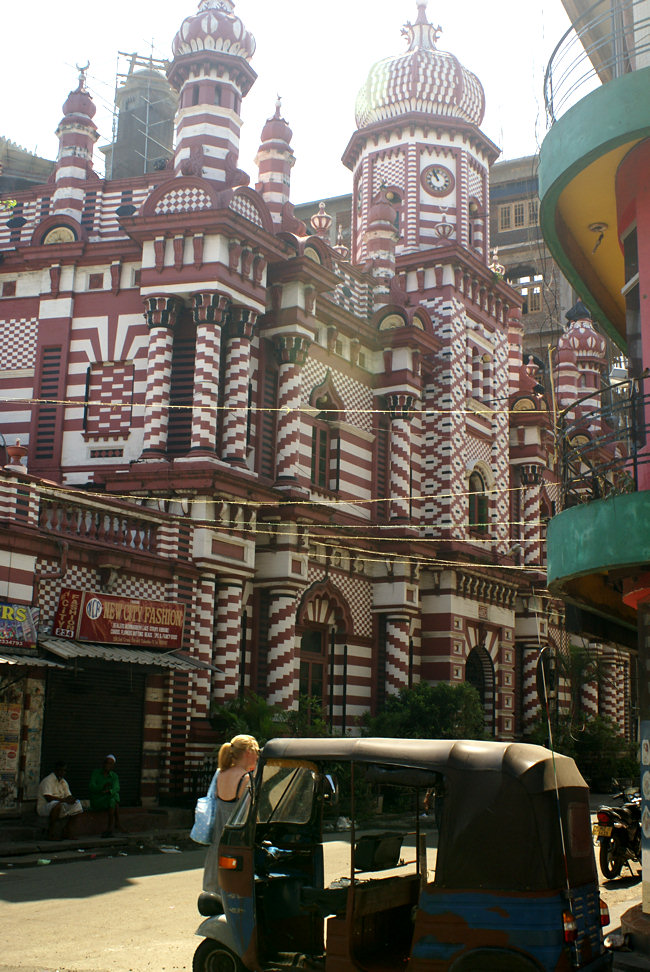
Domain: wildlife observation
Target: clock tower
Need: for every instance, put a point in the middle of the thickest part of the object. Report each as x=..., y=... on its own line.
x=418, y=138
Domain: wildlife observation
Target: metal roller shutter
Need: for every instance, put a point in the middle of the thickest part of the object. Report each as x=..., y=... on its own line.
x=98, y=709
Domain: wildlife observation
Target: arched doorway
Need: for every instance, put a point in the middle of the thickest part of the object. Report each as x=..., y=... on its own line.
x=323, y=624
x=479, y=672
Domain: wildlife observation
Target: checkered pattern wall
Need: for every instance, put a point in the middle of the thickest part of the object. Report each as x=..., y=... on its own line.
x=110, y=397
x=186, y=200
x=18, y=343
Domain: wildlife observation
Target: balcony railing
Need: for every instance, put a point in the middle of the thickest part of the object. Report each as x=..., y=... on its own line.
x=610, y=39
x=107, y=527
x=602, y=448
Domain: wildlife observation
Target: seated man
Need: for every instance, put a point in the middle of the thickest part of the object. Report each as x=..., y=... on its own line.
x=55, y=800
x=105, y=793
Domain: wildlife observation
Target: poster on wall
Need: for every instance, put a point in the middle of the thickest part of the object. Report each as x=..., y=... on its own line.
x=10, y=716
x=112, y=620
x=18, y=625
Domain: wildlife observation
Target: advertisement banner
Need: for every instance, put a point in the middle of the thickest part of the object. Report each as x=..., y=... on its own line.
x=18, y=625
x=10, y=716
x=86, y=616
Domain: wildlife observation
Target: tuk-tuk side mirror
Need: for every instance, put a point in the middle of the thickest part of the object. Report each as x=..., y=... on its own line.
x=330, y=790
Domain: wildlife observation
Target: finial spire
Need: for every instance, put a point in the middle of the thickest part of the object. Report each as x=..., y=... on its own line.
x=421, y=35
x=83, y=71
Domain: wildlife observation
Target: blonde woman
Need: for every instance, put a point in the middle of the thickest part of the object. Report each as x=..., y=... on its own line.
x=236, y=763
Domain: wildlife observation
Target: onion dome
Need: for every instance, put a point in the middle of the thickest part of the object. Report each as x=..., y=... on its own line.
x=276, y=129
x=79, y=101
x=584, y=339
x=215, y=27
x=581, y=336
x=422, y=80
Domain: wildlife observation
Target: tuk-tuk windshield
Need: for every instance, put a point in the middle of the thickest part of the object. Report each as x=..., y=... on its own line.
x=286, y=792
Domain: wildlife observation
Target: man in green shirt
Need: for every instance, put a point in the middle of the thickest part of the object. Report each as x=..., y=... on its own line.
x=105, y=793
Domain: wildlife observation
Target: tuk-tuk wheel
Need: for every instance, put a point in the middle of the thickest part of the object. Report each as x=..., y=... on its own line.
x=212, y=956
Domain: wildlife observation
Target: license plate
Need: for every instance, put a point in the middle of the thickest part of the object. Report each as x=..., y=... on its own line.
x=600, y=831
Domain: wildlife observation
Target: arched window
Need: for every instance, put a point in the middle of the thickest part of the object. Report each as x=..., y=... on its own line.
x=325, y=440
x=478, y=503
x=313, y=671
x=479, y=672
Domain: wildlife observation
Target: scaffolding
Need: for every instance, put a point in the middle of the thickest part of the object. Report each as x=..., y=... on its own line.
x=154, y=153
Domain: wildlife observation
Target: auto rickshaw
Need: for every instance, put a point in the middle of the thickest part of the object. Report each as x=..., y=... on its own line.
x=513, y=886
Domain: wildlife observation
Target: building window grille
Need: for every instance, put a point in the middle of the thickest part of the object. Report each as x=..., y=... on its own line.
x=519, y=215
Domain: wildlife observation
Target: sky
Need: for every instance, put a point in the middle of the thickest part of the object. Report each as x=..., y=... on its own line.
x=315, y=56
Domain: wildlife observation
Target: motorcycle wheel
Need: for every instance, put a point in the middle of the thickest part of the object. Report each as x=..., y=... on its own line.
x=212, y=956
x=611, y=858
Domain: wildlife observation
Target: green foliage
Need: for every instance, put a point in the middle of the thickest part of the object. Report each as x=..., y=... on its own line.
x=601, y=753
x=254, y=715
x=7, y=204
x=307, y=720
x=426, y=711
x=248, y=714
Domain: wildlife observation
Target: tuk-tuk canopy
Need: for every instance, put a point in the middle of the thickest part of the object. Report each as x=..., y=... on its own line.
x=537, y=769
x=502, y=807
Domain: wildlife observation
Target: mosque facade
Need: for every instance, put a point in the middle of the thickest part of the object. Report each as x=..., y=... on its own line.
x=249, y=461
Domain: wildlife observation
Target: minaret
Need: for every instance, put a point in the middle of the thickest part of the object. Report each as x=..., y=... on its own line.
x=418, y=118
x=275, y=159
x=211, y=72
x=77, y=135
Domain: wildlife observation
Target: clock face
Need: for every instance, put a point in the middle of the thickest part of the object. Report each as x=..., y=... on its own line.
x=438, y=180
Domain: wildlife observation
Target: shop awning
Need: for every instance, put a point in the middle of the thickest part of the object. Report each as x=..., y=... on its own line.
x=29, y=661
x=68, y=650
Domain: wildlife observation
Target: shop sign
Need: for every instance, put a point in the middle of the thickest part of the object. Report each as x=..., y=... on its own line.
x=18, y=625
x=103, y=618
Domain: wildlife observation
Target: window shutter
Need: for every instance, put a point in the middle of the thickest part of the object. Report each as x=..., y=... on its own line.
x=46, y=415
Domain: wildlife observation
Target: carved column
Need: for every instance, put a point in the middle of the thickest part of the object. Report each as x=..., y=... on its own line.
x=530, y=698
x=228, y=633
x=397, y=653
x=291, y=350
x=210, y=308
x=283, y=662
x=531, y=478
x=161, y=314
x=609, y=703
x=400, y=406
x=202, y=647
x=236, y=382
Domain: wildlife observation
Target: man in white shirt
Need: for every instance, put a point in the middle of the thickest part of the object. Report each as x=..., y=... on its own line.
x=55, y=800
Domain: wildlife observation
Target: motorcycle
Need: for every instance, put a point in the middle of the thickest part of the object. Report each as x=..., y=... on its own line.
x=618, y=832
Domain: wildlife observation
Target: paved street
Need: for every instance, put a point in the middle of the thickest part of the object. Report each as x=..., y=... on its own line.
x=136, y=913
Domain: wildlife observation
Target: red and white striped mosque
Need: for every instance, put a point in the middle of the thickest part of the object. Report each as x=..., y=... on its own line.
x=239, y=458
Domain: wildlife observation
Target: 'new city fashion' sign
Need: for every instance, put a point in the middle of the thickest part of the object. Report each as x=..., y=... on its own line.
x=85, y=616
